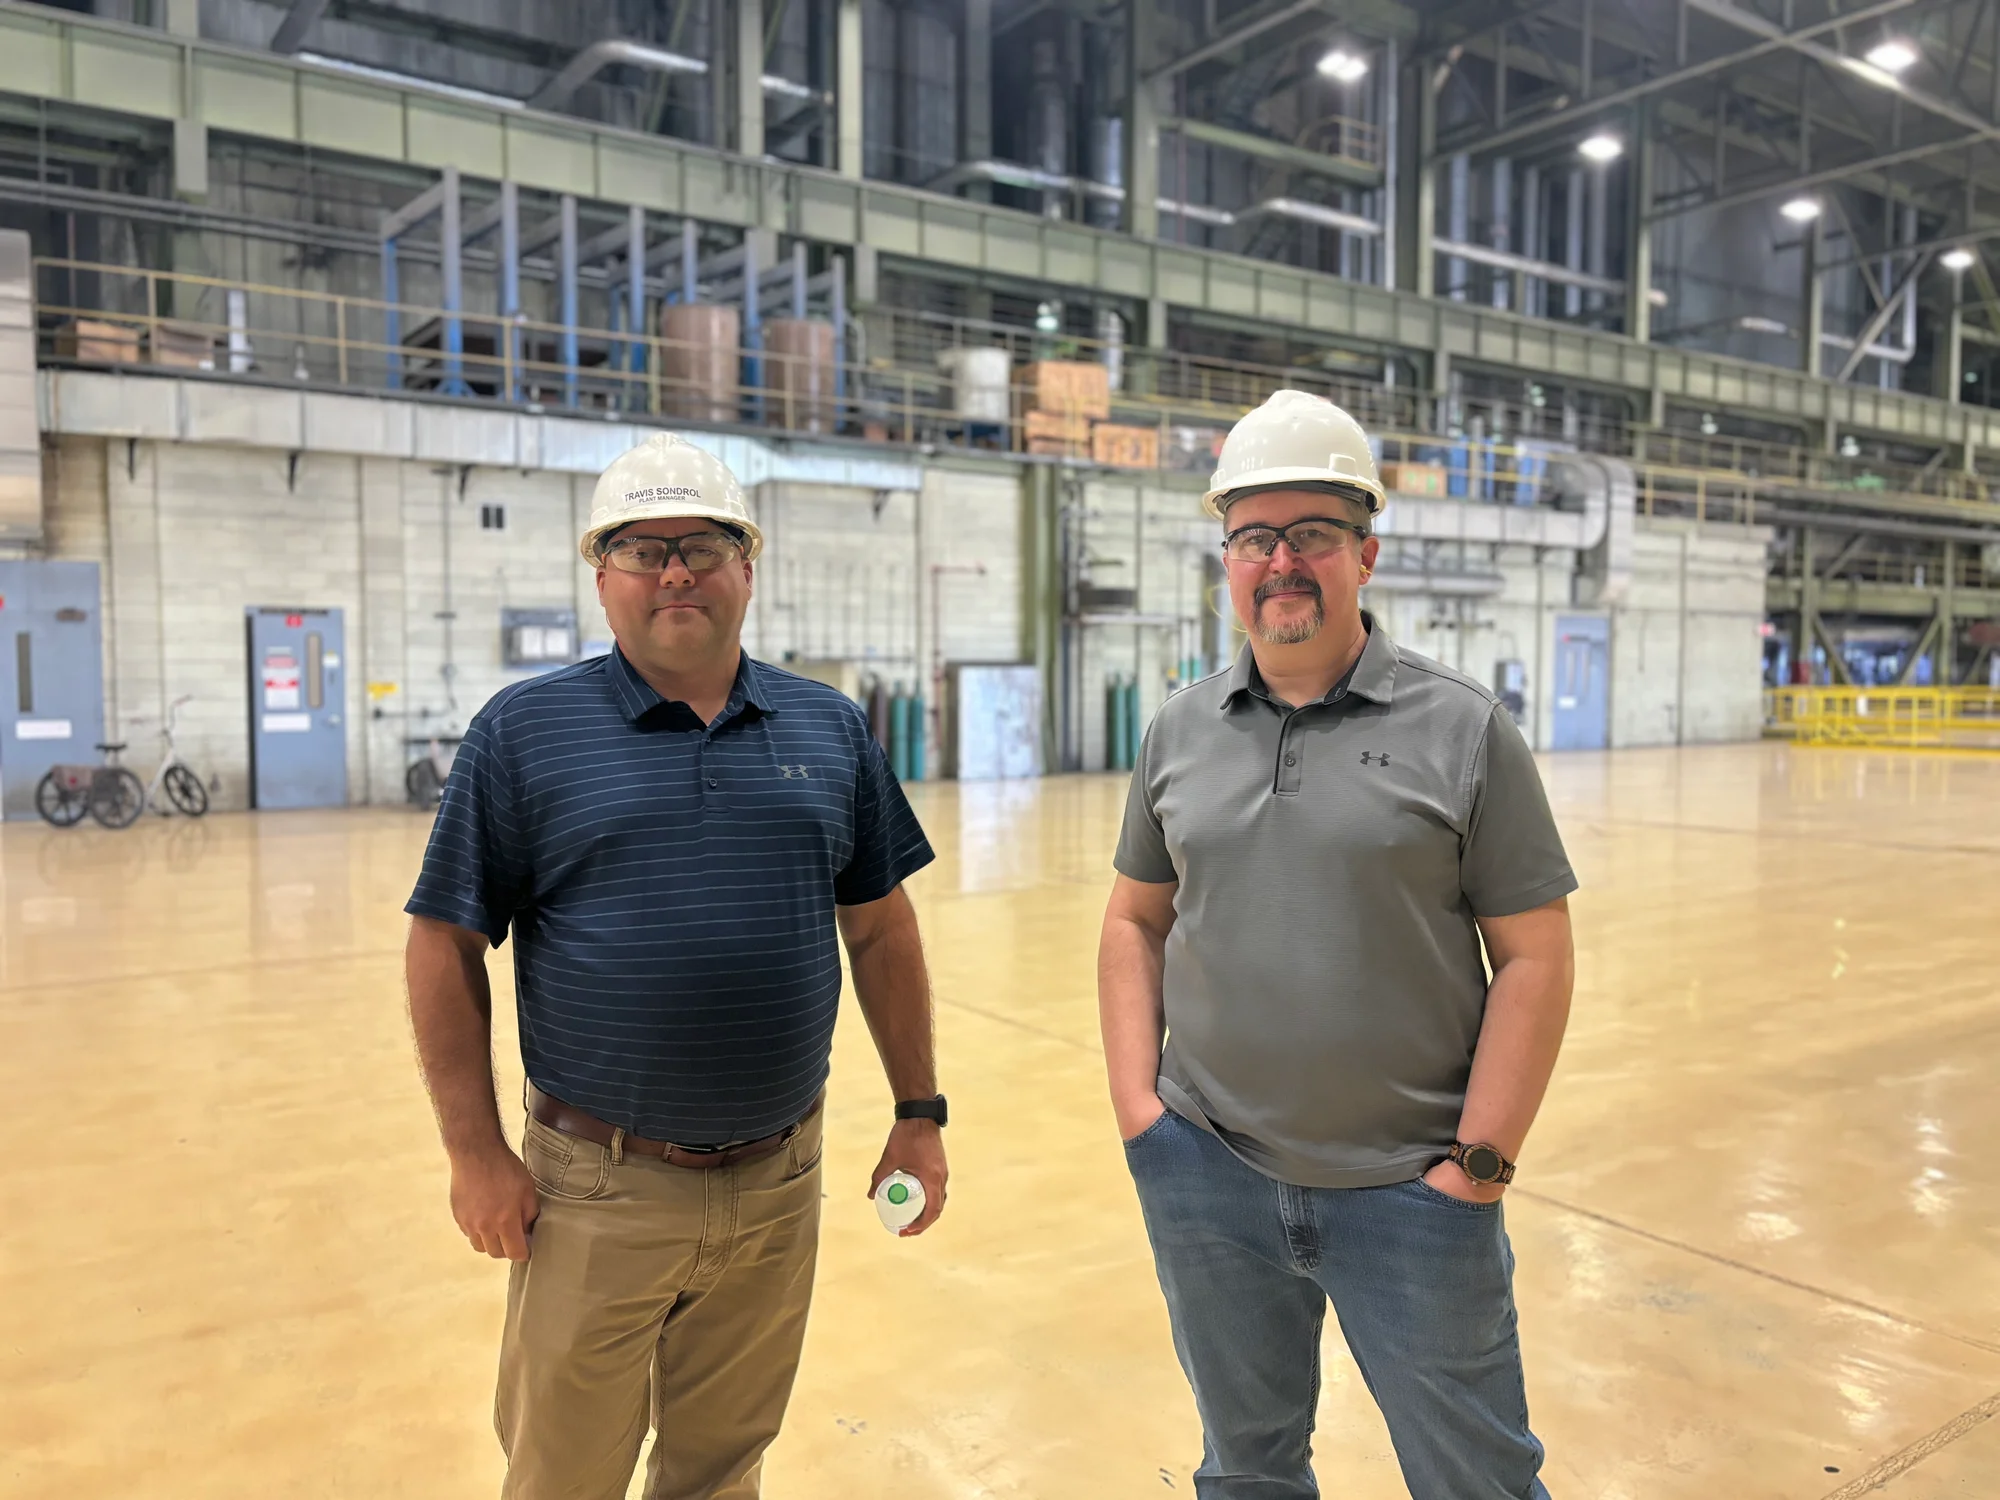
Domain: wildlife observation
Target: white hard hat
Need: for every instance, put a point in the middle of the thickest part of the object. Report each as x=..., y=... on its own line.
x=1294, y=439
x=667, y=478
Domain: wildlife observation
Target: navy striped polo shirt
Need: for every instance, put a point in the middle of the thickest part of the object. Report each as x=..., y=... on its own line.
x=671, y=886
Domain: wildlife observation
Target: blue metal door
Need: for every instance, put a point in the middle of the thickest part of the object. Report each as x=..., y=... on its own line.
x=298, y=715
x=51, y=675
x=1583, y=683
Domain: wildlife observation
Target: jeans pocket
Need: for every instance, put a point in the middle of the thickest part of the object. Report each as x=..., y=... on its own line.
x=564, y=1166
x=1157, y=1128
x=1426, y=1191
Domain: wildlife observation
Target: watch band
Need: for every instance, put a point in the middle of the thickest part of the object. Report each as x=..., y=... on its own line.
x=922, y=1109
x=1487, y=1174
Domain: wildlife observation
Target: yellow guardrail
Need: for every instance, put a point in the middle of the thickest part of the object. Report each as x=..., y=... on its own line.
x=1887, y=718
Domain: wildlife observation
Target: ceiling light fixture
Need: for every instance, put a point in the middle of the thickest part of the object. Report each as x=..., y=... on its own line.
x=1343, y=66
x=1801, y=210
x=1892, y=56
x=1959, y=259
x=1601, y=148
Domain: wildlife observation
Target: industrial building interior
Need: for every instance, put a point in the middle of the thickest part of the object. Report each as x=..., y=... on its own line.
x=1673, y=328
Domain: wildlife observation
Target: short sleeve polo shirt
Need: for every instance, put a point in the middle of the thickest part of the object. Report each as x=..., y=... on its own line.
x=1324, y=980
x=670, y=886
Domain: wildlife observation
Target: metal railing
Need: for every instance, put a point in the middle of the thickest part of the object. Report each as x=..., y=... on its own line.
x=1887, y=718
x=101, y=315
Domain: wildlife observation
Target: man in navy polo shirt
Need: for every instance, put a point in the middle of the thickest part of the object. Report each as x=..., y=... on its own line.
x=673, y=833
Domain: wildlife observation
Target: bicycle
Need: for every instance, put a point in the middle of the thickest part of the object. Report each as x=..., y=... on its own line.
x=175, y=776
x=109, y=793
x=425, y=778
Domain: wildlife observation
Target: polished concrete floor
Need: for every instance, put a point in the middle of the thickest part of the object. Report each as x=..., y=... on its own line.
x=1758, y=1227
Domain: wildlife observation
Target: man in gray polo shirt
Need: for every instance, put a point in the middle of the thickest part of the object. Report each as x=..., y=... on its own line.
x=1320, y=1088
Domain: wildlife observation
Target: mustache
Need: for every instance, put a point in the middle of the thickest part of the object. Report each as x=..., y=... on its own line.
x=1286, y=583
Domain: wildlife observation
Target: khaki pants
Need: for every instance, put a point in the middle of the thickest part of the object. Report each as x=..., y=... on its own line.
x=694, y=1284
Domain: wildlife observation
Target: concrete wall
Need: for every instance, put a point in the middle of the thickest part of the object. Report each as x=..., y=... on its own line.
x=1686, y=649
x=1686, y=653
x=188, y=535
x=898, y=582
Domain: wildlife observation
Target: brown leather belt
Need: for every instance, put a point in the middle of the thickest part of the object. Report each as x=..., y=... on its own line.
x=570, y=1120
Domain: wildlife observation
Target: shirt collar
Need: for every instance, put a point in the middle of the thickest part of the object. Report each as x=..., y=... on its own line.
x=637, y=697
x=1373, y=676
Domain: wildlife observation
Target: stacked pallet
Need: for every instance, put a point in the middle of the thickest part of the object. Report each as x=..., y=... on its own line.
x=1069, y=418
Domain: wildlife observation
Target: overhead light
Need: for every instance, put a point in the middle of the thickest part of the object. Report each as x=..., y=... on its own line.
x=1960, y=259
x=1893, y=55
x=1863, y=69
x=1801, y=210
x=1753, y=323
x=1343, y=66
x=1601, y=148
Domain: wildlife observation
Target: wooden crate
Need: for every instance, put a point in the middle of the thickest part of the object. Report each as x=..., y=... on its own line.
x=1125, y=447
x=1053, y=436
x=185, y=346
x=1406, y=478
x=1071, y=388
x=99, y=342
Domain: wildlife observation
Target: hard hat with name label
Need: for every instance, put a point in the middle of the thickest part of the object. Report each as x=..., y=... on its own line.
x=667, y=478
x=1295, y=440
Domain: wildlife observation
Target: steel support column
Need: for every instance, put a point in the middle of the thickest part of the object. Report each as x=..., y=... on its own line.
x=1950, y=361
x=1416, y=196
x=1947, y=650
x=1390, y=94
x=975, y=85
x=451, y=336
x=510, y=282
x=635, y=293
x=847, y=89
x=1141, y=216
x=749, y=77
x=566, y=274
x=1812, y=296
x=1639, y=234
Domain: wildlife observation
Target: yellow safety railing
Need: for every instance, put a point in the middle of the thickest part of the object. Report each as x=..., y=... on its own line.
x=1887, y=718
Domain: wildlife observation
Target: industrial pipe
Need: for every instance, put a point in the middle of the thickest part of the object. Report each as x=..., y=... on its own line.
x=1017, y=174
x=598, y=56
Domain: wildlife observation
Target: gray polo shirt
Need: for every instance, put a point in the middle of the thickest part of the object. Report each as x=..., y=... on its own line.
x=1324, y=977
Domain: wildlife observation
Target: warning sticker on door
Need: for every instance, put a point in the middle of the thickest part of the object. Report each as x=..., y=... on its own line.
x=281, y=680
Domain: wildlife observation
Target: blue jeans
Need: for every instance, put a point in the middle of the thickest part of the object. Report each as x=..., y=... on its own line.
x=1422, y=1284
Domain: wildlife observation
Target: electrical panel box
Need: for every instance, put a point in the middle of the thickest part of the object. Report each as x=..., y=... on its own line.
x=537, y=637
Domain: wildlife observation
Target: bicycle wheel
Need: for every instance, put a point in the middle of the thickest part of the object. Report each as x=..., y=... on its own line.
x=185, y=791
x=116, y=797
x=60, y=803
x=422, y=782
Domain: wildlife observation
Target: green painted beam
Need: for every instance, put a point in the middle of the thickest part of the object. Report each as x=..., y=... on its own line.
x=1850, y=596
x=127, y=70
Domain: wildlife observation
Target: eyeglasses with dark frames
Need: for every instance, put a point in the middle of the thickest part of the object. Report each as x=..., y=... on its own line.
x=1310, y=536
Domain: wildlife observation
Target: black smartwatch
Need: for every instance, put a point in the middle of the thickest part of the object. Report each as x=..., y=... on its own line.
x=1482, y=1164
x=922, y=1109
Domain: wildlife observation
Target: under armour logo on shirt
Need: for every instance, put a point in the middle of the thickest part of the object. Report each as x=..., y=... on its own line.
x=792, y=773
x=1374, y=757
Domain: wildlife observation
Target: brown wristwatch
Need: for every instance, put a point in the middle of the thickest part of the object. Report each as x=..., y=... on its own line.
x=1483, y=1164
